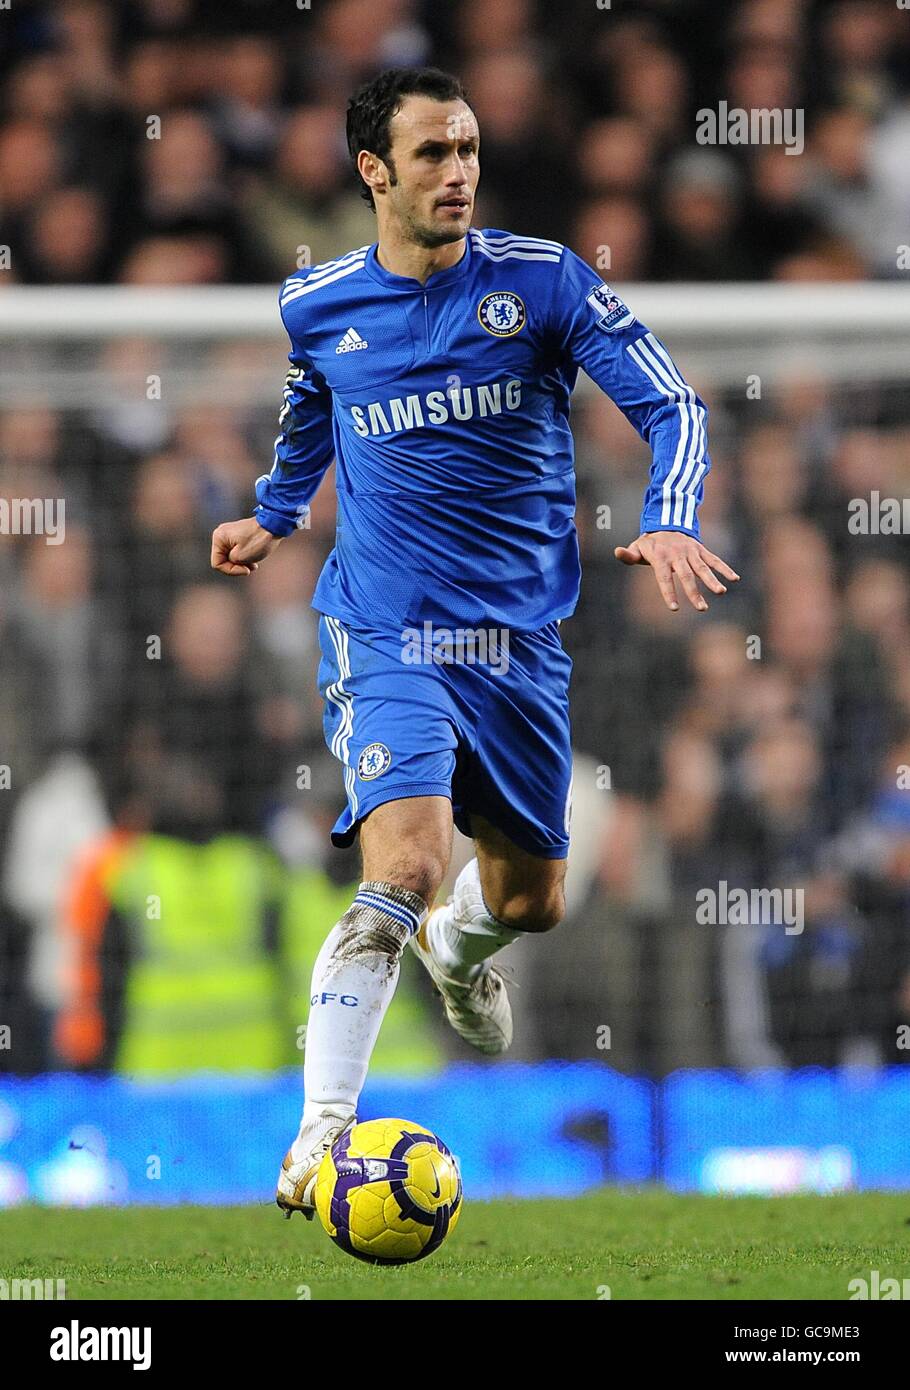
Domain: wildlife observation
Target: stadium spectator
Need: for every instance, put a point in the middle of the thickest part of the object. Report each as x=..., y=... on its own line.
x=701, y=234
x=301, y=207
x=200, y=121
x=781, y=759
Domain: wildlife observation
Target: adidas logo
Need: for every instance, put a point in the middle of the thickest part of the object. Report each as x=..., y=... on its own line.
x=352, y=342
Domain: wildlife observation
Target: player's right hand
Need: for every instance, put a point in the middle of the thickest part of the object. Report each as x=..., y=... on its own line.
x=238, y=546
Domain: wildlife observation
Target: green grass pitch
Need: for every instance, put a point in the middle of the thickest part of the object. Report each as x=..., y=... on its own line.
x=638, y=1244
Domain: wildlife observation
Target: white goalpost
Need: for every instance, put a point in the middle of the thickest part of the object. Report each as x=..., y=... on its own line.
x=722, y=333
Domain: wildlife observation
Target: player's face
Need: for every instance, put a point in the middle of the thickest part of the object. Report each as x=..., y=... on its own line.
x=435, y=168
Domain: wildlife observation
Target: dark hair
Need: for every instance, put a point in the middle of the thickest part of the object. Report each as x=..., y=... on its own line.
x=373, y=105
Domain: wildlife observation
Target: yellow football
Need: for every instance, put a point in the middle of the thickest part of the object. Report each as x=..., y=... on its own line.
x=388, y=1192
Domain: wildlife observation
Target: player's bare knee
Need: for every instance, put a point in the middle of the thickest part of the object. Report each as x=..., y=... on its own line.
x=532, y=912
x=419, y=871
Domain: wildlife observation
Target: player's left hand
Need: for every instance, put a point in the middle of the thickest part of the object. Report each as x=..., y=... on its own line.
x=678, y=559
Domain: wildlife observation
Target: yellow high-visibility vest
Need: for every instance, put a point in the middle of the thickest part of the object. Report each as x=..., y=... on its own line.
x=408, y=1041
x=223, y=939
x=202, y=990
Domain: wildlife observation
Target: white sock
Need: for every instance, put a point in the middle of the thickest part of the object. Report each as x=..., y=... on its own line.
x=354, y=978
x=464, y=934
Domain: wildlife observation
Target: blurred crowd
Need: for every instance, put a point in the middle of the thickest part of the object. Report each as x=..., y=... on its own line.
x=765, y=745
x=202, y=141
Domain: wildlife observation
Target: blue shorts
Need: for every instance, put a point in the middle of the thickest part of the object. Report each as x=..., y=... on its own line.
x=491, y=735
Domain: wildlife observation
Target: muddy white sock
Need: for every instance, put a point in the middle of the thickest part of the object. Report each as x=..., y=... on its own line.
x=354, y=979
x=464, y=934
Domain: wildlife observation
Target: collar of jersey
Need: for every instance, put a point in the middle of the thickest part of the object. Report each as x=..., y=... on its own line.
x=407, y=282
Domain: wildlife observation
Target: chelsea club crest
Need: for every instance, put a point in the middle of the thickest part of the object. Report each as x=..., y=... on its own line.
x=503, y=314
x=373, y=761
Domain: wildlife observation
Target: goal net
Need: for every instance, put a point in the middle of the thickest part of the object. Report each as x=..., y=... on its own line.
x=741, y=824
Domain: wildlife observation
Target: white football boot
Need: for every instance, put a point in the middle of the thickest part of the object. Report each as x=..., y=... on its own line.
x=297, y=1181
x=480, y=1011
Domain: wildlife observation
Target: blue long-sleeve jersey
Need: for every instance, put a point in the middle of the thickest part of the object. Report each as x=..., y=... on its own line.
x=446, y=407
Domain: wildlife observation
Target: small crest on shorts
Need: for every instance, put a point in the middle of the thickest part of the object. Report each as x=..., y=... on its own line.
x=373, y=761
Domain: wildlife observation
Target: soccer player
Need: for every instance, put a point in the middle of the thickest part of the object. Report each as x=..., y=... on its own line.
x=436, y=367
